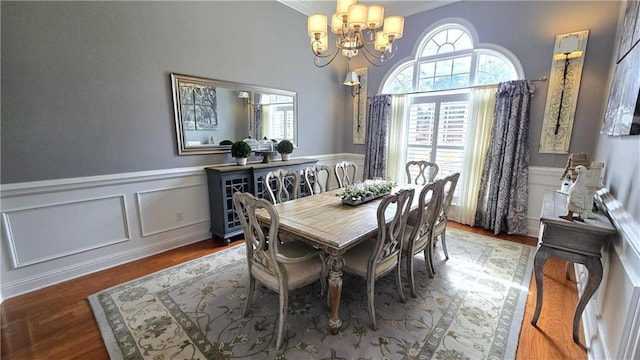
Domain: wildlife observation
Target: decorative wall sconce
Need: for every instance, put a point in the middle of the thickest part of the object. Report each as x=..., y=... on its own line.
x=564, y=85
x=357, y=80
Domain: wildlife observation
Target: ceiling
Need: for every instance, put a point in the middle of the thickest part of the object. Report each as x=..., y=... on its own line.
x=402, y=8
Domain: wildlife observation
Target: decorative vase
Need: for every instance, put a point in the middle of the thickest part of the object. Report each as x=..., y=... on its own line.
x=241, y=161
x=285, y=157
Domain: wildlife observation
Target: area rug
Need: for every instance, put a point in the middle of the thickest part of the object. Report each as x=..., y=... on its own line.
x=472, y=309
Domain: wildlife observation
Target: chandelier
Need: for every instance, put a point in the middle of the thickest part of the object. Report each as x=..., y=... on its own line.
x=359, y=29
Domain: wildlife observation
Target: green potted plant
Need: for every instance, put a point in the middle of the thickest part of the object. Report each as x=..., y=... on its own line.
x=285, y=147
x=241, y=151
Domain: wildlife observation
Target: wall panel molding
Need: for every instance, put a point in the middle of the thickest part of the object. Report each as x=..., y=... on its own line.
x=183, y=206
x=612, y=317
x=49, y=240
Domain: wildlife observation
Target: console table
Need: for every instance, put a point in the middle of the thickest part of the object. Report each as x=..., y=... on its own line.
x=224, y=180
x=574, y=241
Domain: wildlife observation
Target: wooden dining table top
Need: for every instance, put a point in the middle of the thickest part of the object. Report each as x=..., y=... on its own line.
x=323, y=220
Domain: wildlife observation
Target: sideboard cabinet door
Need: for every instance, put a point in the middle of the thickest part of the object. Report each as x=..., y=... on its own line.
x=225, y=180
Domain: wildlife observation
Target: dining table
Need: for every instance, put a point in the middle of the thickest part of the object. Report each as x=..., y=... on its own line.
x=325, y=222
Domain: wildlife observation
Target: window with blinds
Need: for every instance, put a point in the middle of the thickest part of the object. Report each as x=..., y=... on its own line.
x=448, y=61
x=437, y=130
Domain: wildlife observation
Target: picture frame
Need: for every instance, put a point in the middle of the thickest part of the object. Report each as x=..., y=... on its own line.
x=360, y=108
x=622, y=115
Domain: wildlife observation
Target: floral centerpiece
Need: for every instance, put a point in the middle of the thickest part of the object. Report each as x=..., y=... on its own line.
x=363, y=192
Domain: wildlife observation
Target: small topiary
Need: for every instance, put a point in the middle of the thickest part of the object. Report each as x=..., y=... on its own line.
x=285, y=147
x=240, y=149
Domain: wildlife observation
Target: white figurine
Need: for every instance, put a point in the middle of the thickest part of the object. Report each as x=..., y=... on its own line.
x=578, y=201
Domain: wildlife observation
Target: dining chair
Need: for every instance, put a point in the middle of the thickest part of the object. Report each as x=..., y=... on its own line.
x=282, y=185
x=419, y=235
x=345, y=173
x=380, y=255
x=280, y=267
x=317, y=179
x=440, y=228
x=425, y=171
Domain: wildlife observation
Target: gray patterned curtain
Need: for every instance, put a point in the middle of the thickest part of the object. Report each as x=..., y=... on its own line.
x=503, y=196
x=257, y=119
x=375, y=156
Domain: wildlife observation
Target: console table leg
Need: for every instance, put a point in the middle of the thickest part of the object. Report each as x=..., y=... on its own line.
x=538, y=264
x=594, y=267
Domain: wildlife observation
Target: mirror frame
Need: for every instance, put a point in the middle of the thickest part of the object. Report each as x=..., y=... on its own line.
x=177, y=79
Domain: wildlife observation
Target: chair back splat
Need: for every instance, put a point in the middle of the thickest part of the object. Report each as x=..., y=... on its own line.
x=419, y=231
x=440, y=228
x=346, y=173
x=317, y=179
x=423, y=172
x=282, y=185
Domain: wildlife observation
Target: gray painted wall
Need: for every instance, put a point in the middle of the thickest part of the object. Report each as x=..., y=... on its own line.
x=85, y=85
x=528, y=29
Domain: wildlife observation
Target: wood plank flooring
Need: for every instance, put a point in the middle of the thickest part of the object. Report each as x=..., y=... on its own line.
x=57, y=322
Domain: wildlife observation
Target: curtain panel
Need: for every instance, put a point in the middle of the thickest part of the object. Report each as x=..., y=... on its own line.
x=503, y=196
x=257, y=118
x=397, y=156
x=483, y=102
x=375, y=157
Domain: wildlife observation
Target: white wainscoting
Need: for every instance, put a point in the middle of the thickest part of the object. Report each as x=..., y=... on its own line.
x=52, y=237
x=611, y=320
x=57, y=230
x=61, y=229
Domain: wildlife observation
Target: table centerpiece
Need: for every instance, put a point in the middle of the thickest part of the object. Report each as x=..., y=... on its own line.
x=366, y=191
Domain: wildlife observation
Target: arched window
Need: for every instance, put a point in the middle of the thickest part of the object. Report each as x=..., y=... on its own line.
x=449, y=58
x=448, y=62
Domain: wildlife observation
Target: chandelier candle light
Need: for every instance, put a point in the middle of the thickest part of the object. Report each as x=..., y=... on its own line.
x=359, y=29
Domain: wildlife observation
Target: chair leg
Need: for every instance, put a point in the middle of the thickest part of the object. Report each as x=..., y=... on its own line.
x=410, y=277
x=444, y=242
x=399, y=282
x=282, y=317
x=247, y=305
x=370, y=300
x=431, y=262
x=427, y=261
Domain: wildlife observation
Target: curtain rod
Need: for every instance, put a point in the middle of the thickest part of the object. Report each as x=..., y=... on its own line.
x=541, y=79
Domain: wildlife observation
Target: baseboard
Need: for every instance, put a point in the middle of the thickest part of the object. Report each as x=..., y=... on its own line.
x=58, y=275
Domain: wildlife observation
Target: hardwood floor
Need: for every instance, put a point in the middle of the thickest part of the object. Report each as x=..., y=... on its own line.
x=57, y=322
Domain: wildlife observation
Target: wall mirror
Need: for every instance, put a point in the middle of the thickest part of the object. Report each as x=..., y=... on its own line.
x=209, y=114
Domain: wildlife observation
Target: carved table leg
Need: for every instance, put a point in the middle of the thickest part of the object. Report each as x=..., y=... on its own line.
x=594, y=266
x=335, y=263
x=538, y=264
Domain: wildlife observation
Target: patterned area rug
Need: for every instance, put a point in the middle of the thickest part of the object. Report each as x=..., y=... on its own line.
x=472, y=309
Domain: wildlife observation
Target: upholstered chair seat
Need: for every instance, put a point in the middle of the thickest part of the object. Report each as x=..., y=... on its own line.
x=357, y=260
x=299, y=273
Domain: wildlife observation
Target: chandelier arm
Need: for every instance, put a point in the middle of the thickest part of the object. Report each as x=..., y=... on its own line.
x=316, y=60
x=380, y=58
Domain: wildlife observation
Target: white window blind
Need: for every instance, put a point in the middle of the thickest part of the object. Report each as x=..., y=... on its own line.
x=437, y=129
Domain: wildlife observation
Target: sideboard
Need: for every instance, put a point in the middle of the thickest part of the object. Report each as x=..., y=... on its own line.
x=225, y=180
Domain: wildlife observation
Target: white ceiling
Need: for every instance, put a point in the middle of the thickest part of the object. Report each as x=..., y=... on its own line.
x=402, y=8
